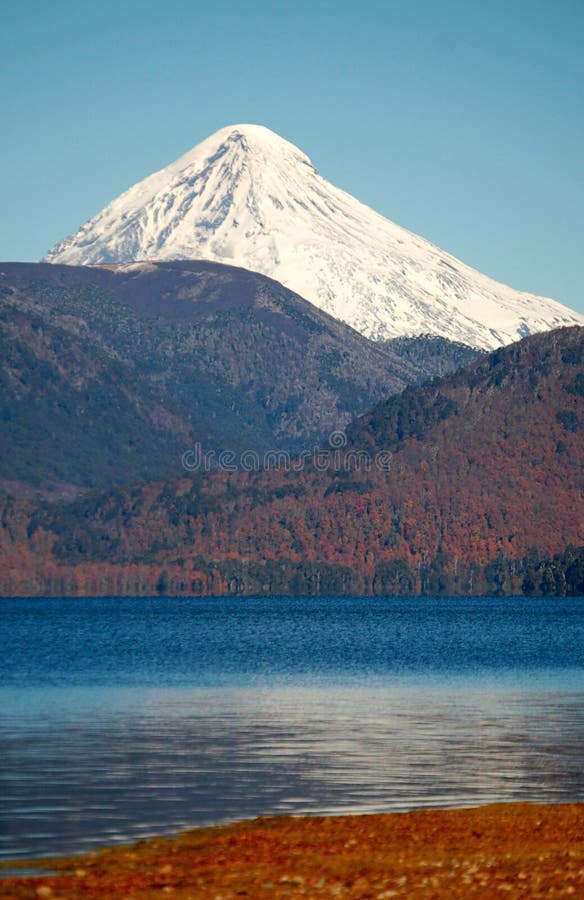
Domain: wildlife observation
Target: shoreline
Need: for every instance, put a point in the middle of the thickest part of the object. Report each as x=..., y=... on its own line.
x=508, y=849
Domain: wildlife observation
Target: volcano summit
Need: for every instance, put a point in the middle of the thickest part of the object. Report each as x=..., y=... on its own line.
x=247, y=197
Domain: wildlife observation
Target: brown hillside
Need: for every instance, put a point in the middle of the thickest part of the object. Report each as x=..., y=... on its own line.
x=447, y=487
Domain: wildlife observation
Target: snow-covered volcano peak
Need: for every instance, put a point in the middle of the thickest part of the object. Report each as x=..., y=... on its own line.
x=250, y=139
x=248, y=197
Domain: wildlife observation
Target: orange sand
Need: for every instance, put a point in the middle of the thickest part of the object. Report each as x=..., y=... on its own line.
x=499, y=851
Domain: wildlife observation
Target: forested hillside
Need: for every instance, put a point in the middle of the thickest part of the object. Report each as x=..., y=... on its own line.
x=471, y=483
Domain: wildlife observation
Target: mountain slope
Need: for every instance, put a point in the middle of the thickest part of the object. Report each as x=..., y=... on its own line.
x=248, y=197
x=110, y=374
x=463, y=485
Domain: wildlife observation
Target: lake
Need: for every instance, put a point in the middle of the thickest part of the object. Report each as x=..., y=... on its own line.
x=125, y=718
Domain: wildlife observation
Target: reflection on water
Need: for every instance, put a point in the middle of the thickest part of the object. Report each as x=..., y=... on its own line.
x=82, y=768
x=121, y=718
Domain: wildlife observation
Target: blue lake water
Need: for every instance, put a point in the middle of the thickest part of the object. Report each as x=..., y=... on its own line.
x=124, y=718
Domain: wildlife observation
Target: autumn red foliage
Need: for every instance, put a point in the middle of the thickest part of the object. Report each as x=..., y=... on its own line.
x=446, y=487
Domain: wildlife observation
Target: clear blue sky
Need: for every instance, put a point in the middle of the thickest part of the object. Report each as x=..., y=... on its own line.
x=463, y=121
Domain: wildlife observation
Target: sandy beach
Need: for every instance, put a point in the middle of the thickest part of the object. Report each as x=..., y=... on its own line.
x=504, y=850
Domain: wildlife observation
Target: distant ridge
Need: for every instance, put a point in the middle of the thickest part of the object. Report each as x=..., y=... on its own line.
x=109, y=374
x=248, y=197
